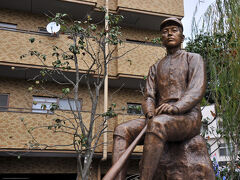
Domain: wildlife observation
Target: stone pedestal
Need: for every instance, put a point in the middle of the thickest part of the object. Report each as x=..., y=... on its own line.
x=187, y=160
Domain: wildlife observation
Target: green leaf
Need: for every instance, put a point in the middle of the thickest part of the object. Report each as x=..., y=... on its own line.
x=44, y=57
x=130, y=61
x=55, y=54
x=32, y=40
x=65, y=91
x=54, y=107
x=93, y=27
x=58, y=120
x=44, y=106
x=42, y=72
x=23, y=56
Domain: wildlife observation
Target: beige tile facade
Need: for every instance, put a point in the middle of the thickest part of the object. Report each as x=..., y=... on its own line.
x=13, y=132
x=141, y=55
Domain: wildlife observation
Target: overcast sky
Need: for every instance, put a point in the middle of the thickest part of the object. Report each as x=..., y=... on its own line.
x=189, y=8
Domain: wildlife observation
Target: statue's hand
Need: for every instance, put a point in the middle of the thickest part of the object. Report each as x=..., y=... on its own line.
x=149, y=115
x=167, y=109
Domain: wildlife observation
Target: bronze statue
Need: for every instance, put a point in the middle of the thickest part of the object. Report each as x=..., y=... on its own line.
x=174, y=88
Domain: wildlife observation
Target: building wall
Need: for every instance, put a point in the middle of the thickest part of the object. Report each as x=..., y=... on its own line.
x=24, y=20
x=14, y=135
x=139, y=55
x=13, y=132
x=42, y=165
x=21, y=97
x=54, y=165
x=13, y=44
x=46, y=165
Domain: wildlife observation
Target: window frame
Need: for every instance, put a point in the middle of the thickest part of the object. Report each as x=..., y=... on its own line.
x=40, y=110
x=8, y=26
x=5, y=108
x=225, y=148
x=48, y=111
x=134, y=104
x=80, y=101
x=220, y=124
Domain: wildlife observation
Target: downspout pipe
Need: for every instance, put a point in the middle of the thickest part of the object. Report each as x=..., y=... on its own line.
x=105, y=145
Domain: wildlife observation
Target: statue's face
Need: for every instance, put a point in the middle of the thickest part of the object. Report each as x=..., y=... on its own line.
x=172, y=36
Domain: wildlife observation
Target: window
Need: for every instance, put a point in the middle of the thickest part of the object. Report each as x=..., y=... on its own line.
x=224, y=150
x=134, y=108
x=220, y=124
x=3, y=102
x=44, y=104
x=8, y=25
x=68, y=104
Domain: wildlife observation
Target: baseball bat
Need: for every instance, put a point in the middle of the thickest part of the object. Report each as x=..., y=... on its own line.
x=115, y=169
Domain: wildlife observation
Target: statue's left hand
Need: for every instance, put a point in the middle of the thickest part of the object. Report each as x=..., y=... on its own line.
x=166, y=108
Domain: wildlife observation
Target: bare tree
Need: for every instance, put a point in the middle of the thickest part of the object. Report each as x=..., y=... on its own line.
x=88, y=42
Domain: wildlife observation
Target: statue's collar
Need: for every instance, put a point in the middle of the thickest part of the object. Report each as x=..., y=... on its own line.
x=175, y=54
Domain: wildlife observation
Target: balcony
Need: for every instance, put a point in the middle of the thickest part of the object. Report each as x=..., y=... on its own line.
x=16, y=43
x=77, y=8
x=15, y=136
x=148, y=14
x=144, y=14
x=154, y=7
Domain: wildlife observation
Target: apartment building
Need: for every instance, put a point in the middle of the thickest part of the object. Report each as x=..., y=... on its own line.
x=217, y=146
x=21, y=20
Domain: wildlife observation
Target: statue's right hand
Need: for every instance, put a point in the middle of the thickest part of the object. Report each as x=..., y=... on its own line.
x=149, y=115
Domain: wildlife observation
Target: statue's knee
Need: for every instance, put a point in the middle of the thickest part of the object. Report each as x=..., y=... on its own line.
x=121, y=130
x=157, y=126
x=158, y=121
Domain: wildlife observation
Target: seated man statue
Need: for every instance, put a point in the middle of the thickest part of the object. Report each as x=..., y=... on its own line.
x=174, y=88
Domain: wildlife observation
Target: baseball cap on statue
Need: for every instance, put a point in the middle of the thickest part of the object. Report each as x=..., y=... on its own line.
x=171, y=20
